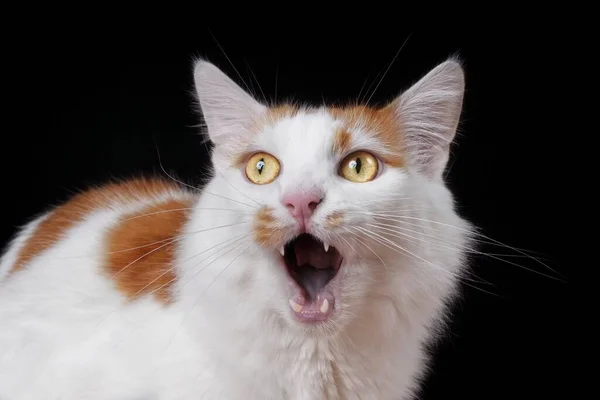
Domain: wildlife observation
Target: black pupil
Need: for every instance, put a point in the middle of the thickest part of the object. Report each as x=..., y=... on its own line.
x=358, y=165
x=261, y=165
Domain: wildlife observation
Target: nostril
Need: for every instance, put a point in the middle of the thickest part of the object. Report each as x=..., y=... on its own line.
x=313, y=205
x=290, y=207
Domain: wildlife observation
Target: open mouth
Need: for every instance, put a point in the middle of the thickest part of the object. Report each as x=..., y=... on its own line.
x=312, y=265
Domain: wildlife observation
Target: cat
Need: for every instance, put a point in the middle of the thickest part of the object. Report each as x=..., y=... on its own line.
x=317, y=262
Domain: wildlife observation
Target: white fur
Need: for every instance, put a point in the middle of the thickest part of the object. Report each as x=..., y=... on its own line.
x=65, y=333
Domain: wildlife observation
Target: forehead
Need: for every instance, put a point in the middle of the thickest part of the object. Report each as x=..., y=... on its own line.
x=306, y=130
x=328, y=133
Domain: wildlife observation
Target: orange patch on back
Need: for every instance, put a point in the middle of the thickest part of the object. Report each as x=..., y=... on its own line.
x=383, y=123
x=141, y=249
x=52, y=229
x=266, y=231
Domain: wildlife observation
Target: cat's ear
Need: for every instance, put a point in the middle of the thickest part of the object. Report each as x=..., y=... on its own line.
x=228, y=110
x=429, y=113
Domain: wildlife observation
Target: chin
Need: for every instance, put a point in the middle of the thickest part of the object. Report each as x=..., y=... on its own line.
x=313, y=279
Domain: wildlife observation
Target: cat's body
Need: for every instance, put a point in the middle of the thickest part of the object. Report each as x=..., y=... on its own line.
x=151, y=290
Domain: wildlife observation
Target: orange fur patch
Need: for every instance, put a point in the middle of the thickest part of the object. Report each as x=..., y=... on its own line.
x=266, y=231
x=342, y=141
x=271, y=117
x=382, y=121
x=334, y=219
x=141, y=249
x=277, y=113
x=52, y=229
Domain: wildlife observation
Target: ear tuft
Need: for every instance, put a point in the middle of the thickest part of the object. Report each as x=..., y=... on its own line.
x=429, y=113
x=227, y=109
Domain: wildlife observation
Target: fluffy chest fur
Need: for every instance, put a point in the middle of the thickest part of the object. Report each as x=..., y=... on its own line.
x=315, y=264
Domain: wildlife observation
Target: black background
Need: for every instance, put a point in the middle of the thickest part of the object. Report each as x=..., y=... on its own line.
x=90, y=106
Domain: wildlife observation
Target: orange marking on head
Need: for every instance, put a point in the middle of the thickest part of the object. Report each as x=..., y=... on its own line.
x=342, y=141
x=277, y=113
x=270, y=118
x=266, y=231
x=334, y=219
x=382, y=122
x=141, y=249
x=53, y=228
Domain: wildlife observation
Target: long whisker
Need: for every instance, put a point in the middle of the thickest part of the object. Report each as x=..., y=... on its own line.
x=398, y=218
x=172, y=268
x=372, y=251
x=173, y=241
x=469, y=231
x=388, y=68
x=184, y=209
x=230, y=62
x=228, y=198
x=257, y=82
x=396, y=247
x=204, y=291
x=419, y=240
x=400, y=249
x=239, y=191
x=186, y=282
x=398, y=229
x=195, y=189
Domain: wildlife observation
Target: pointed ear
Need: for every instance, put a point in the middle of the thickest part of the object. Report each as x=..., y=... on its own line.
x=228, y=110
x=428, y=113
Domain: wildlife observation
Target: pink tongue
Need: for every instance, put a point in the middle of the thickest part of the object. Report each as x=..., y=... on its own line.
x=309, y=254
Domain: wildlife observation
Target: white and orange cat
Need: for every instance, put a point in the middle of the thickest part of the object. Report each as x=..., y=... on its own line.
x=316, y=263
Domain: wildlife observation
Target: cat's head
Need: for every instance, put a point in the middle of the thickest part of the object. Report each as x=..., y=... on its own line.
x=347, y=204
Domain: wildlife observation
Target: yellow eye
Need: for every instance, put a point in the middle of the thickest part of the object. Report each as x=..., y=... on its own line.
x=359, y=167
x=262, y=168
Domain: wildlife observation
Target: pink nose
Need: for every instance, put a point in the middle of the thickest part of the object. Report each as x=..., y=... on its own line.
x=302, y=205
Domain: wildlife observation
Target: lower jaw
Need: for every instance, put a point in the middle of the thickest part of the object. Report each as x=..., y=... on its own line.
x=313, y=309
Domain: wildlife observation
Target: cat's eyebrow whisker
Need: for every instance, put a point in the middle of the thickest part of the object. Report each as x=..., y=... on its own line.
x=229, y=198
x=198, y=190
x=239, y=191
x=195, y=189
x=257, y=82
x=388, y=68
x=230, y=62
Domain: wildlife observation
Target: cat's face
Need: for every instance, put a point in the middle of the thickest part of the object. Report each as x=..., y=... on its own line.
x=333, y=191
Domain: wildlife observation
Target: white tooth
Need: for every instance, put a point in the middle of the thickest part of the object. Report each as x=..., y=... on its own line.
x=324, y=306
x=295, y=306
x=326, y=247
x=282, y=251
